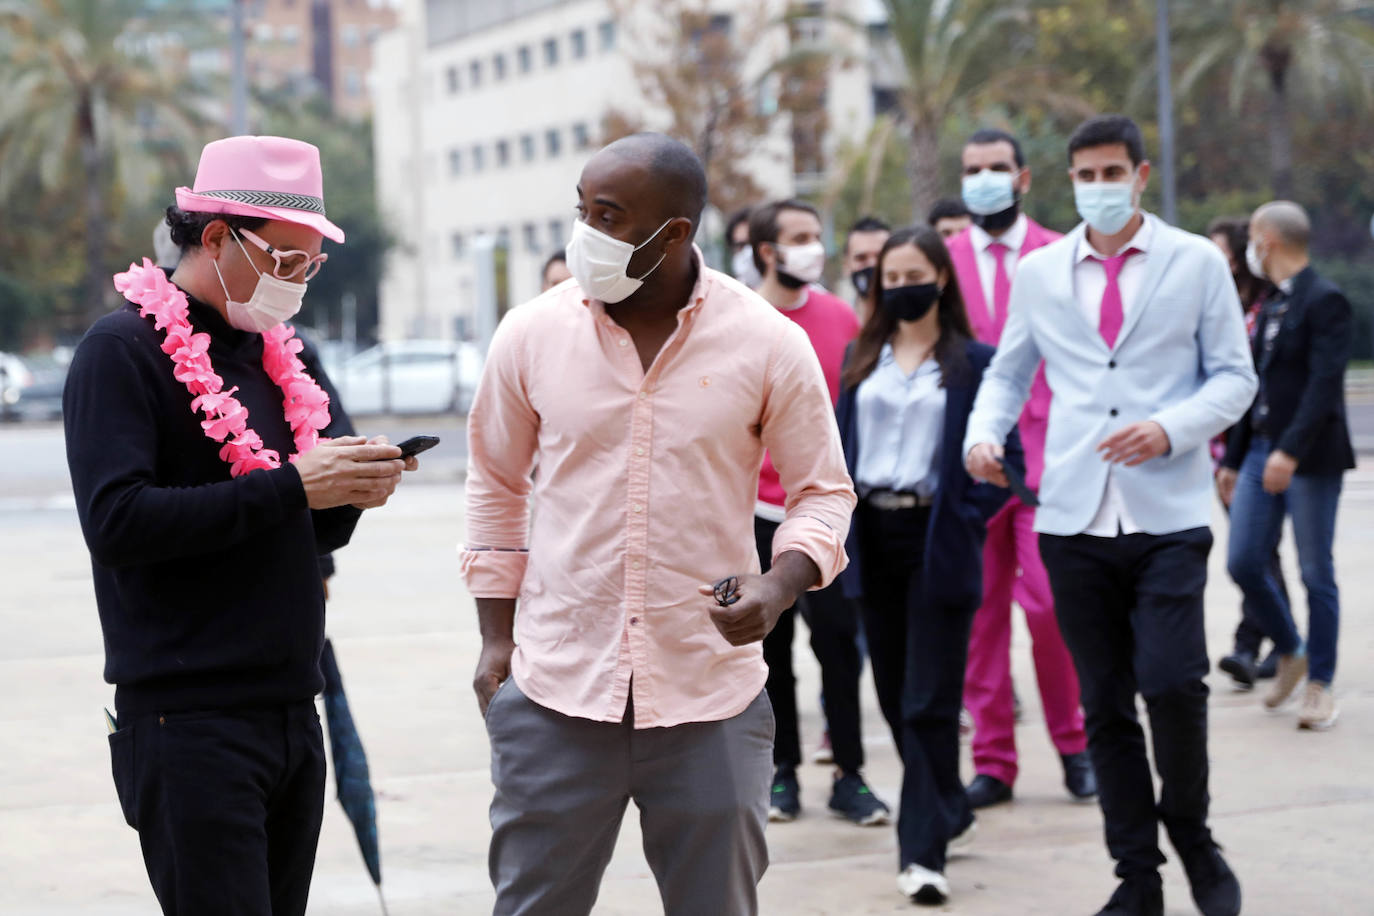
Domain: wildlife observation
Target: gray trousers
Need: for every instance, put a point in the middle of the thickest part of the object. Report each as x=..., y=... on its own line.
x=562, y=785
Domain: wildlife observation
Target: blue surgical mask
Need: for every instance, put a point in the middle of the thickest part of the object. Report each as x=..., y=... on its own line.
x=988, y=192
x=1107, y=206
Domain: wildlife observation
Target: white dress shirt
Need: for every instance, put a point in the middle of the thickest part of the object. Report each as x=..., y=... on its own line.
x=901, y=422
x=1089, y=283
x=1013, y=238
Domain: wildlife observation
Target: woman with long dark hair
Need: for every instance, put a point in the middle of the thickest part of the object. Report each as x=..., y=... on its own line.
x=916, y=543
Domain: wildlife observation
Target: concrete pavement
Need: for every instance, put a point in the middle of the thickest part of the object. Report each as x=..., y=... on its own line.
x=1292, y=809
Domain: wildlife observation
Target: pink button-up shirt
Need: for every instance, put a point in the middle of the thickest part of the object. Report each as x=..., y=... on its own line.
x=645, y=490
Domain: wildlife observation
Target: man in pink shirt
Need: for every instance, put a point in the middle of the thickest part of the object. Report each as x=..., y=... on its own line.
x=645, y=393
x=985, y=257
x=786, y=239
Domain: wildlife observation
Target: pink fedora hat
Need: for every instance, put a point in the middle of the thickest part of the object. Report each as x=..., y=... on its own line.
x=271, y=177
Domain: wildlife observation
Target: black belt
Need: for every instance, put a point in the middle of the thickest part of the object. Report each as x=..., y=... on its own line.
x=891, y=500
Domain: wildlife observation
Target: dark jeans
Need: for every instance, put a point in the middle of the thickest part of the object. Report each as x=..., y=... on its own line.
x=918, y=654
x=834, y=633
x=1131, y=611
x=1256, y=527
x=227, y=805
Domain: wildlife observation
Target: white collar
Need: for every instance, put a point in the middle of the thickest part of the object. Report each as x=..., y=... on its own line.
x=1014, y=238
x=1140, y=241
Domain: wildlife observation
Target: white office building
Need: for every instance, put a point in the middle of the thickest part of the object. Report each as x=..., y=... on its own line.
x=485, y=113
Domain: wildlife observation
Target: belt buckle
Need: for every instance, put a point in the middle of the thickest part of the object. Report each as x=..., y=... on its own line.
x=889, y=501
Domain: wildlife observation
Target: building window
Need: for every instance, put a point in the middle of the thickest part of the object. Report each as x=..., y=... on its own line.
x=475, y=74
x=458, y=244
x=290, y=34
x=551, y=52
x=451, y=75
x=579, y=44
x=503, y=238
x=262, y=32
x=502, y=154
x=524, y=58
x=531, y=233
x=605, y=33
x=353, y=82
x=498, y=67
x=455, y=162
x=582, y=137
x=350, y=36
x=479, y=158
x=553, y=142
x=527, y=147
x=556, y=233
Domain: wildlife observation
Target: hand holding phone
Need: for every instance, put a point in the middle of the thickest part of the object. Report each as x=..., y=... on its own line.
x=417, y=444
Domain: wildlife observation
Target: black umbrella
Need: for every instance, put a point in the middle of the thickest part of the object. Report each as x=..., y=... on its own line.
x=350, y=768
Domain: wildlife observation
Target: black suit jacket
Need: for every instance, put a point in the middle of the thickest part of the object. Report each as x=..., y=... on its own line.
x=958, y=518
x=1303, y=378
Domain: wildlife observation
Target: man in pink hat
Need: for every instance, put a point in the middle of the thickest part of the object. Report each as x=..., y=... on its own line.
x=205, y=494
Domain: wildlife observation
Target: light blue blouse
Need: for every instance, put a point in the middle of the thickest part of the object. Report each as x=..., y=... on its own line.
x=901, y=421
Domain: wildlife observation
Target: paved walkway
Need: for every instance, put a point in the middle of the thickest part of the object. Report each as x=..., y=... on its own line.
x=1293, y=809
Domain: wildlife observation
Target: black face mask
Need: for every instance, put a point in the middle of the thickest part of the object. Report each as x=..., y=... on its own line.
x=790, y=282
x=910, y=303
x=999, y=221
x=863, y=281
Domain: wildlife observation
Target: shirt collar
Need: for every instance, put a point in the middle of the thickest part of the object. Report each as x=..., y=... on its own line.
x=1014, y=238
x=1140, y=241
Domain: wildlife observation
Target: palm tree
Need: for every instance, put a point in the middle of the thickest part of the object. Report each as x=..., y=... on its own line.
x=1282, y=45
x=87, y=100
x=948, y=54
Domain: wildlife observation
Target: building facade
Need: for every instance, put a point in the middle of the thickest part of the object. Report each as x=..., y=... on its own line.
x=486, y=112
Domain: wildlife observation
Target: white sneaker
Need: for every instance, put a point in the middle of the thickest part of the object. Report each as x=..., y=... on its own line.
x=923, y=885
x=964, y=840
x=1318, y=708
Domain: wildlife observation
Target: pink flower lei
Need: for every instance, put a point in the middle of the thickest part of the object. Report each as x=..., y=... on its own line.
x=305, y=404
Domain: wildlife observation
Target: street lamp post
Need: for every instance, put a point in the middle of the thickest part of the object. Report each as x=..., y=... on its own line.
x=1166, y=112
x=238, y=107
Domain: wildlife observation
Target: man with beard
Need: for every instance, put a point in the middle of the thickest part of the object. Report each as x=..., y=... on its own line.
x=985, y=256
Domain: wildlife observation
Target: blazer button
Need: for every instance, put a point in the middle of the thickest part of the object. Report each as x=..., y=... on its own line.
x=1111, y=365
x=1113, y=411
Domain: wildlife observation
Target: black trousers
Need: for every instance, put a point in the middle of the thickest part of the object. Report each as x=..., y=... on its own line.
x=1131, y=611
x=834, y=625
x=918, y=652
x=227, y=805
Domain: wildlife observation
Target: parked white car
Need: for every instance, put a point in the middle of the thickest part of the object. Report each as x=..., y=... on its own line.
x=411, y=376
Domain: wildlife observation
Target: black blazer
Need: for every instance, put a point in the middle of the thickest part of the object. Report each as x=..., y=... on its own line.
x=959, y=516
x=1304, y=380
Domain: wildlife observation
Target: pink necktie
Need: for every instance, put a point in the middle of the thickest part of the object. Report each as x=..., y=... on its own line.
x=1113, y=313
x=1001, y=286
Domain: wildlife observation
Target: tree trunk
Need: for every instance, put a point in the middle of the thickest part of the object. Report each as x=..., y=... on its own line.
x=1280, y=135
x=96, y=282
x=923, y=166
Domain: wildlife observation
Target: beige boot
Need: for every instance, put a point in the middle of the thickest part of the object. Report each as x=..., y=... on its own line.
x=1292, y=669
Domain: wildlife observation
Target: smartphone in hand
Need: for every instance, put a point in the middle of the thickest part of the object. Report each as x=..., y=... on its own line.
x=417, y=444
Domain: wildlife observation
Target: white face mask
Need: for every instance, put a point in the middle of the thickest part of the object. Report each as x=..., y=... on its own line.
x=1107, y=206
x=273, y=300
x=804, y=262
x=599, y=263
x=988, y=192
x=742, y=267
x=1254, y=261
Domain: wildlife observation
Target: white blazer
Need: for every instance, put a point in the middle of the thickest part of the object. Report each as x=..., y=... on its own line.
x=1181, y=359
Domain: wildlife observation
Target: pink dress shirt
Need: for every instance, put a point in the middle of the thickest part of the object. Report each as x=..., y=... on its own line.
x=645, y=490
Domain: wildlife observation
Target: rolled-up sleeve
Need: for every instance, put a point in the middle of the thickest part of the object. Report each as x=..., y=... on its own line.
x=800, y=433
x=503, y=432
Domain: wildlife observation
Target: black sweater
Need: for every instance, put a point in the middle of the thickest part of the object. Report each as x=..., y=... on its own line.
x=208, y=586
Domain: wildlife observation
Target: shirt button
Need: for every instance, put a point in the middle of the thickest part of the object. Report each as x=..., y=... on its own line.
x=639, y=453
x=638, y=508
x=634, y=621
x=635, y=564
x=643, y=395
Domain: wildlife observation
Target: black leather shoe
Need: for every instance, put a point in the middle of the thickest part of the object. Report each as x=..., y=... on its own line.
x=1215, y=888
x=986, y=791
x=1137, y=896
x=1079, y=777
x=1268, y=668
x=1241, y=667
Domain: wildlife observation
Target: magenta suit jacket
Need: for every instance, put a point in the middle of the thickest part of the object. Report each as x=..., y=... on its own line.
x=1036, y=417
